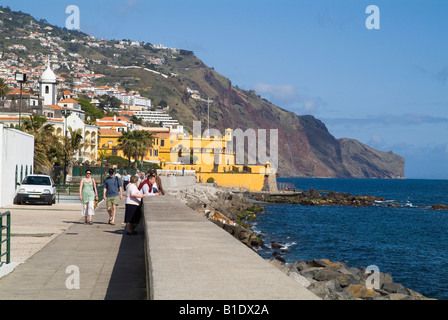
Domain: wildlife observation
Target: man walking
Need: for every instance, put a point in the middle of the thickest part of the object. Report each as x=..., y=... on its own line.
x=113, y=193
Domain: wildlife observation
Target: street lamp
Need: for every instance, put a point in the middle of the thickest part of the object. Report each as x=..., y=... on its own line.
x=20, y=78
x=65, y=113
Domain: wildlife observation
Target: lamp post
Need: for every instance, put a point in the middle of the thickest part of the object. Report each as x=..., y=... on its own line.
x=65, y=113
x=20, y=78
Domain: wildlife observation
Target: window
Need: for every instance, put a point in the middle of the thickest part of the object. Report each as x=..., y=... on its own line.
x=47, y=89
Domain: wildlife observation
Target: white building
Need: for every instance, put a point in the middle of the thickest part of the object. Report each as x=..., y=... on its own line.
x=88, y=132
x=16, y=161
x=48, y=87
x=156, y=117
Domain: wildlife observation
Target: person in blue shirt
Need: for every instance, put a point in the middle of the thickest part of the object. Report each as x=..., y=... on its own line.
x=126, y=177
x=113, y=193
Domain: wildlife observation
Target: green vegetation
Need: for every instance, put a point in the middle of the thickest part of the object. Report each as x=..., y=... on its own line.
x=210, y=180
x=135, y=144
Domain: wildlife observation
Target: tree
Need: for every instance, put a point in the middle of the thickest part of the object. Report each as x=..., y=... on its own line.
x=92, y=112
x=127, y=144
x=108, y=103
x=135, y=144
x=46, y=145
x=72, y=146
x=4, y=89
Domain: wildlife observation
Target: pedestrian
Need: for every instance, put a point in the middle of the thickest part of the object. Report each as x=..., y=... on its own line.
x=125, y=179
x=133, y=212
x=88, y=193
x=113, y=193
x=158, y=182
x=148, y=186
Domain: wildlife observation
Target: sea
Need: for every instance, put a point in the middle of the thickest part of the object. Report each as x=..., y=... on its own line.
x=409, y=241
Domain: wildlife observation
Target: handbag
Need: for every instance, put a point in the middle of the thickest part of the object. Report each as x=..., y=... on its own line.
x=95, y=203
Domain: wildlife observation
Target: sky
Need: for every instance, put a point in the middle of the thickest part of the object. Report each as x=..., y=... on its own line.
x=385, y=86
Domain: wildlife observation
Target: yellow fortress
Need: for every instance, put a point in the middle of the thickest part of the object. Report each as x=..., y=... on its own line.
x=212, y=156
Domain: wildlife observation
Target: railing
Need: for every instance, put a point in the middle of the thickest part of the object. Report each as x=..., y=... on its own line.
x=6, y=214
x=72, y=189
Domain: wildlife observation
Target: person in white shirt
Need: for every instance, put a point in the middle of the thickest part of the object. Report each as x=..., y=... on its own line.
x=133, y=213
x=126, y=177
x=149, y=186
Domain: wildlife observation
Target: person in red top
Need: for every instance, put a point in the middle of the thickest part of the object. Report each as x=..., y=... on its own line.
x=147, y=186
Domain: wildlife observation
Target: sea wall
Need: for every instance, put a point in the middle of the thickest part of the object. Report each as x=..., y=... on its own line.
x=190, y=258
x=173, y=182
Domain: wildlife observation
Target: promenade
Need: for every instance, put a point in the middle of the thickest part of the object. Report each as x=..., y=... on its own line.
x=187, y=258
x=111, y=265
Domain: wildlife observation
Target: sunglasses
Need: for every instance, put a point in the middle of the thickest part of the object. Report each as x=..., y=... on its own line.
x=88, y=172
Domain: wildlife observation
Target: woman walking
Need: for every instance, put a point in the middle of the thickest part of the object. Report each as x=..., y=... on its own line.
x=133, y=209
x=87, y=194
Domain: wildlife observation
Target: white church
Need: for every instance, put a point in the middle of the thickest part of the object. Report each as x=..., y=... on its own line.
x=71, y=116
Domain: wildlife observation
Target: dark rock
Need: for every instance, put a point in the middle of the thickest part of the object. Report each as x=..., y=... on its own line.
x=278, y=257
x=395, y=288
x=276, y=245
x=300, y=265
x=439, y=207
x=316, y=263
x=309, y=272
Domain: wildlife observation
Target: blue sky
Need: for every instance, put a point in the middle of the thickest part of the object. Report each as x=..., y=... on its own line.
x=387, y=88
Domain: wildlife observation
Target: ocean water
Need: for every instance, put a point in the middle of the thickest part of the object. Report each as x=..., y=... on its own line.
x=410, y=242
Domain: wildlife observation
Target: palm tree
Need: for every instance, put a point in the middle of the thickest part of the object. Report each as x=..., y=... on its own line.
x=127, y=144
x=4, y=89
x=45, y=142
x=72, y=145
x=135, y=144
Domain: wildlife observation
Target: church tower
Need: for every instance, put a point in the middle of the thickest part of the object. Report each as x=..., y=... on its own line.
x=48, y=87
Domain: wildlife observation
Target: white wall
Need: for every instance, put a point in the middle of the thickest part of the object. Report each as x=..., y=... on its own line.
x=173, y=182
x=16, y=151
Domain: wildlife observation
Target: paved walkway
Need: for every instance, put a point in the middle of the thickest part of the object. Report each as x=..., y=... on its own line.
x=191, y=258
x=111, y=265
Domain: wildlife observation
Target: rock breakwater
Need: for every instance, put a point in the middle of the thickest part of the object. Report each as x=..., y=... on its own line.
x=332, y=280
x=224, y=207
x=317, y=198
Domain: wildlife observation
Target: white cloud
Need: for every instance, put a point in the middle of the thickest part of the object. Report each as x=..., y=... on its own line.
x=284, y=94
x=289, y=96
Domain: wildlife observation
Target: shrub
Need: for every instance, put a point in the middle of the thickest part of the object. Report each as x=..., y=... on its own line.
x=210, y=180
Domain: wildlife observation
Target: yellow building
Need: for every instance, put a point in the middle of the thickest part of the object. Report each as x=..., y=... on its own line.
x=108, y=142
x=206, y=156
x=213, y=157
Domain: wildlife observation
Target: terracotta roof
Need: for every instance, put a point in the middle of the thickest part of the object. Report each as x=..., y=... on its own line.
x=108, y=132
x=68, y=101
x=112, y=119
x=53, y=106
x=110, y=124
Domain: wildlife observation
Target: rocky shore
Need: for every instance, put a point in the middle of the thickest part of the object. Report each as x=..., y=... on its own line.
x=226, y=208
x=335, y=281
x=329, y=280
x=318, y=198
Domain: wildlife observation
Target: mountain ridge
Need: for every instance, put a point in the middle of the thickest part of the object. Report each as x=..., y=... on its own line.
x=306, y=147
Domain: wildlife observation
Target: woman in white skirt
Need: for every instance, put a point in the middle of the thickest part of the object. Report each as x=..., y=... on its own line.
x=87, y=194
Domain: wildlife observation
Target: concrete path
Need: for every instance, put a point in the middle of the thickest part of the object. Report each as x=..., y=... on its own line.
x=190, y=258
x=111, y=265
